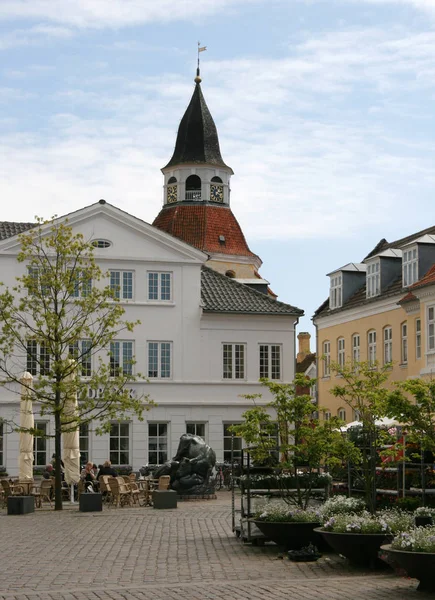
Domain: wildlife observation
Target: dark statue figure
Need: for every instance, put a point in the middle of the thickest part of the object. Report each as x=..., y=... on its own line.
x=191, y=467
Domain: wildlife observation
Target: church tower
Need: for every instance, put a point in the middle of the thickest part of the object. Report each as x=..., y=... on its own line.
x=196, y=203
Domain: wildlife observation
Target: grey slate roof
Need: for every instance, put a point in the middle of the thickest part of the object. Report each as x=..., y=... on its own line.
x=221, y=294
x=9, y=228
x=197, y=138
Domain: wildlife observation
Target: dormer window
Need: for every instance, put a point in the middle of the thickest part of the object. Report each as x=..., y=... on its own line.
x=410, y=266
x=336, y=291
x=374, y=279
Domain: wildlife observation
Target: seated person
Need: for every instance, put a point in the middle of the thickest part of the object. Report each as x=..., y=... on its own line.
x=107, y=469
x=88, y=473
x=49, y=472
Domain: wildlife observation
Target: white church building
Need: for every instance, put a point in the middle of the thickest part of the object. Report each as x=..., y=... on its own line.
x=210, y=326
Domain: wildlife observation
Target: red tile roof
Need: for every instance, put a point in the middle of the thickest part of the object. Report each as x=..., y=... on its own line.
x=201, y=226
x=427, y=279
x=408, y=298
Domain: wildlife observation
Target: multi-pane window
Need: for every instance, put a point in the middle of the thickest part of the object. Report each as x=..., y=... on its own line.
x=417, y=338
x=121, y=357
x=157, y=443
x=270, y=361
x=82, y=284
x=341, y=354
x=326, y=359
x=404, y=343
x=431, y=328
x=373, y=279
x=356, y=348
x=160, y=286
x=336, y=291
x=327, y=415
x=121, y=284
x=38, y=358
x=233, y=361
x=196, y=429
x=388, y=345
x=410, y=266
x=159, y=360
x=342, y=414
x=40, y=444
x=119, y=443
x=371, y=347
x=232, y=444
x=81, y=352
x=84, y=443
x=2, y=449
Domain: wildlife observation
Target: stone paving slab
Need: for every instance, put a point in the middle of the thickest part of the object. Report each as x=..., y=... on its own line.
x=187, y=553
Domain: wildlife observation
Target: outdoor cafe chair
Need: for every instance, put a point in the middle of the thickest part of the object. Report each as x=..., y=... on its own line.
x=105, y=490
x=121, y=493
x=11, y=489
x=44, y=492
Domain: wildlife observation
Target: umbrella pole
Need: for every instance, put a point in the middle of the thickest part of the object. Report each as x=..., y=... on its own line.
x=72, y=494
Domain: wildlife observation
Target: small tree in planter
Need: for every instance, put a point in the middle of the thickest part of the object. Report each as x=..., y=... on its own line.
x=363, y=389
x=303, y=444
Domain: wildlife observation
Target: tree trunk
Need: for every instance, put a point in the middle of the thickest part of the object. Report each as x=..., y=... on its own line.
x=58, y=466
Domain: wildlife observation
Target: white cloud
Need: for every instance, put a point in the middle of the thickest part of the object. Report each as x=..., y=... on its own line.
x=33, y=36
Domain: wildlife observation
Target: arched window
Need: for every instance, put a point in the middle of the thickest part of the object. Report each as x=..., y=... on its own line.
x=172, y=180
x=341, y=353
x=216, y=180
x=193, y=188
x=230, y=274
x=341, y=413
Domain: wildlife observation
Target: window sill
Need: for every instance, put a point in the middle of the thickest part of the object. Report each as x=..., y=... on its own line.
x=403, y=365
x=326, y=377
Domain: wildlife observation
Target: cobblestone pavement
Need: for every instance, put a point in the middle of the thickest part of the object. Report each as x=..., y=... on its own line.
x=187, y=553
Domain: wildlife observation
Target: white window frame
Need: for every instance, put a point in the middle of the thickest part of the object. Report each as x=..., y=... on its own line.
x=122, y=283
x=192, y=427
x=388, y=344
x=38, y=442
x=233, y=361
x=158, y=439
x=83, y=356
x=430, y=329
x=82, y=285
x=373, y=286
x=156, y=290
x=326, y=355
x=417, y=339
x=341, y=414
x=2, y=445
x=336, y=291
x=371, y=347
x=84, y=442
x=158, y=350
x=270, y=361
x=226, y=443
x=37, y=359
x=410, y=266
x=341, y=352
x=356, y=348
x=119, y=350
x=119, y=437
x=404, y=343
x=326, y=415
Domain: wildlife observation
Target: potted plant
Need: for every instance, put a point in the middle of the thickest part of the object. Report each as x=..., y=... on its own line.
x=288, y=430
x=423, y=516
x=359, y=537
x=414, y=551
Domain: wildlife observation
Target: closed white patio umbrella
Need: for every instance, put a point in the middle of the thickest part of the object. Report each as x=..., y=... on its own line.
x=71, y=439
x=25, y=460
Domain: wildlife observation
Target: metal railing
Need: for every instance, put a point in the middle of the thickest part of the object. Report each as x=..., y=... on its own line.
x=193, y=195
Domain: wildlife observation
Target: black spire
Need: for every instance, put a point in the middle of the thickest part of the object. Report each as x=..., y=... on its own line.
x=197, y=138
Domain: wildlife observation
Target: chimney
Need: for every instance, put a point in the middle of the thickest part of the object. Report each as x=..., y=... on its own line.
x=304, y=345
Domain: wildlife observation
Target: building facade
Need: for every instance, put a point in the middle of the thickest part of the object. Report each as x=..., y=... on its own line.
x=209, y=326
x=381, y=310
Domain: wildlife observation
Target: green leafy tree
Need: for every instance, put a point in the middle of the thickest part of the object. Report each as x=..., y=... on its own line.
x=363, y=387
x=61, y=306
x=303, y=443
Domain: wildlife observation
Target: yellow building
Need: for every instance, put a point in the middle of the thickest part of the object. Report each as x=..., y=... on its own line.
x=380, y=310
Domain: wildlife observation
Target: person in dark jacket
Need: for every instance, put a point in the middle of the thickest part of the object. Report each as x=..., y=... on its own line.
x=107, y=469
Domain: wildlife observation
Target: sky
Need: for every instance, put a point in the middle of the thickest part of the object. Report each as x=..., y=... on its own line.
x=324, y=108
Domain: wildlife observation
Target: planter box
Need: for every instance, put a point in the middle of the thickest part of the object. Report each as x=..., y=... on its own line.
x=21, y=505
x=90, y=503
x=291, y=536
x=361, y=549
x=419, y=565
x=165, y=499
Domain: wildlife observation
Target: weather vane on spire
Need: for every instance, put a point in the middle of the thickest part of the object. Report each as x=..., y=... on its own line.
x=200, y=49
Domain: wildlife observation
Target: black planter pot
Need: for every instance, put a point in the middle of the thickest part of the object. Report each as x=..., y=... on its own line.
x=361, y=549
x=423, y=521
x=419, y=565
x=291, y=536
